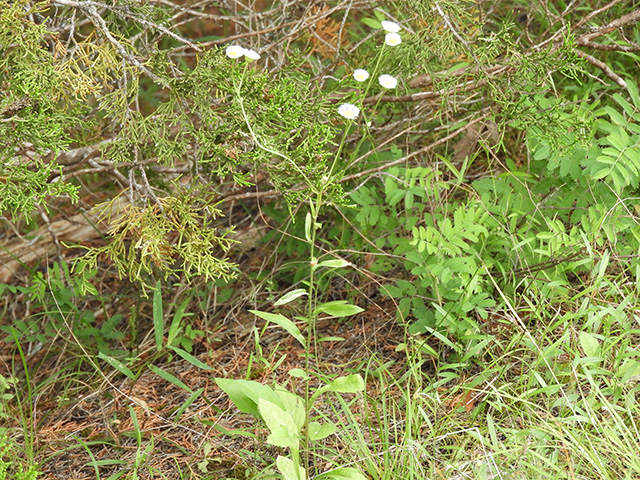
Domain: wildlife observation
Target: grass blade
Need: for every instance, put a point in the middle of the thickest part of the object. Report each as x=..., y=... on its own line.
x=191, y=359
x=118, y=365
x=158, y=316
x=187, y=403
x=169, y=378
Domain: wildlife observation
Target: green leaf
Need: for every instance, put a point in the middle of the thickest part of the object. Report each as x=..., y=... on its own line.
x=118, y=365
x=190, y=358
x=318, y=431
x=291, y=296
x=629, y=368
x=288, y=469
x=284, y=432
x=117, y=475
x=350, y=384
x=601, y=173
x=396, y=152
x=245, y=394
x=492, y=431
x=616, y=116
x=298, y=373
x=590, y=344
x=169, y=378
x=136, y=425
x=632, y=88
x=203, y=466
x=394, y=197
x=308, y=221
x=187, y=403
x=284, y=322
x=292, y=404
x=337, y=263
x=225, y=431
x=174, y=328
x=343, y=473
x=158, y=316
x=339, y=308
x=106, y=462
x=331, y=339
x=628, y=108
x=372, y=22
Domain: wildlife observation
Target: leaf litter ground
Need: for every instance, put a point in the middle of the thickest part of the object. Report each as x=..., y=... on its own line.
x=76, y=409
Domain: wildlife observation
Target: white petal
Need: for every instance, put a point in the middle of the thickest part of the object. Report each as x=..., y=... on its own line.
x=360, y=75
x=348, y=110
x=252, y=54
x=391, y=27
x=387, y=81
x=234, y=51
x=392, y=39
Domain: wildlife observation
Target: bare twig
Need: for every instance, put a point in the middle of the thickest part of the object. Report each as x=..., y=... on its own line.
x=426, y=79
x=91, y=11
x=611, y=48
x=616, y=24
x=85, y=4
x=79, y=155
x=422, y=150
x=420, y=96
x=594, y=13
x=557, y=36
x=99, y=22
x=604, y=67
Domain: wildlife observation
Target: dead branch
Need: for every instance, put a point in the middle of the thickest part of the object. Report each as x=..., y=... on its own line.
x=616, y=24
x=604, y=68
x=411, y=155
x=611, y=48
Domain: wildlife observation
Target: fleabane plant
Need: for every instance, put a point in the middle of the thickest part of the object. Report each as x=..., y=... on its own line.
x=390, y=27
x=236, y=51
x=360, y=75
x=251, y=54
x=349, y=111
x=388, y=81
x=288, y=416
x=392, y=37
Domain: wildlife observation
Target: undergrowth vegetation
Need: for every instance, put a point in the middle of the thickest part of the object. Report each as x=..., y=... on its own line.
x=320, y=240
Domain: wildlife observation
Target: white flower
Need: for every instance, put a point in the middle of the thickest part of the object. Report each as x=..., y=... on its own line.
x=387, y=81
x=392, y=39
x=360, y=75
x=391, y=27
x=234, y=51
x=348, y=110
x=251, y=54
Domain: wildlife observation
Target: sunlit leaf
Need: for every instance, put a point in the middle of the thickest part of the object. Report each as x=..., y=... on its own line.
x=290, y=296
x=282, y=321
x=339, y=308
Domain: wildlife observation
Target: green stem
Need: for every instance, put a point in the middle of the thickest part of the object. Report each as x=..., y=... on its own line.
x=25, y=419
x=295, y=453
x=372, y=77
x=374, y=72
x=311, y=317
